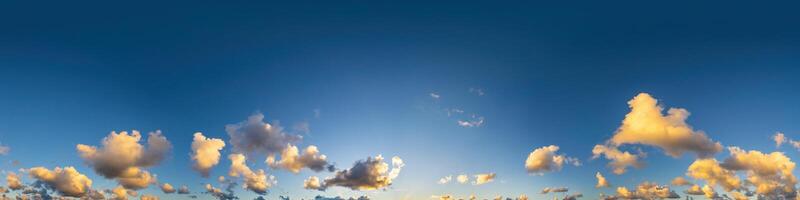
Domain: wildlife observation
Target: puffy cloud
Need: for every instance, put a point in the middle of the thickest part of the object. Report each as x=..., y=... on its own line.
x=434, y=95
x=620, y=161
x=709, y=192
x=183, y=190
x=446, y=179
x=67, y=181
x=148, y=197
x=120, y=193
x=167, y=188
x=546, y=159
x=463, y=178
x=257, y=136
x=205, y=153
x=714, y=174
x=680, y=181
x=694, y=190
x=312, y=183
x=522, y=197
x=256, y=181
x=647, y=190
x=217, y=193
x=369, y=174
x=221, y=179
x=13, y=181
x=554, y=190
x=645, y=124
x=769, y=173
x=601, y=181
x=121, y=157
x=136, y=178
x=779, y=139
x=292, y=160
x=481, y=179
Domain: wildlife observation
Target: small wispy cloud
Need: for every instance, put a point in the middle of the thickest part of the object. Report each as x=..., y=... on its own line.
x=477, y=91
x=435, y=96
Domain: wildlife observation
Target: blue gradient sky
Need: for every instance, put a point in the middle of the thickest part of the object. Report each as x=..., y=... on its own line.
x=556, y=74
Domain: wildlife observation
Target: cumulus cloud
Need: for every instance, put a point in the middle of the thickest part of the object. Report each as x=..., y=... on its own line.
x=217, y=193
x=694, y=190
x=120, y=193
x=680, y=181
x=601, y=181
x=462, y=178
x=121, y=157
x=709, y=192
x=257, y=136
x=647, y=190
x=66, y=181
x=481, y=179
x=446, y=179
x=769, y=173
x=645, y=124
x=554, y=190
x=205, y=153
x=148, y=197
x=434, y=95
x=714, y=174
x=620, y=160
x=13, y=181
x=546, y=159
x=779, y=139
x=293, y=161
x=167, y=188
x=312, y=183
x=256, y=181
x=369, y=174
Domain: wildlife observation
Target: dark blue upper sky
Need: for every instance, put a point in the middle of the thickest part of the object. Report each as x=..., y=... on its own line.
x=553, y=73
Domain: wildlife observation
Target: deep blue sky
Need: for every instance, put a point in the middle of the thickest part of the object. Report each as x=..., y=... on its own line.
x=553, y=73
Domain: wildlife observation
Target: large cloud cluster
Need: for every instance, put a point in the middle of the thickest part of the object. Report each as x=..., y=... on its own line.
x=645, y=124
x=257, y=136
x=205, y=153
x=293, y=161
x=369, y=174
x=66, y=181
x=256, y=181
x=771, y=174
x=546, y=159
x=121, y=157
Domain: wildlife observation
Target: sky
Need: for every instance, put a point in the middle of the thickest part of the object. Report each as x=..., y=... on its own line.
x=437, y=89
